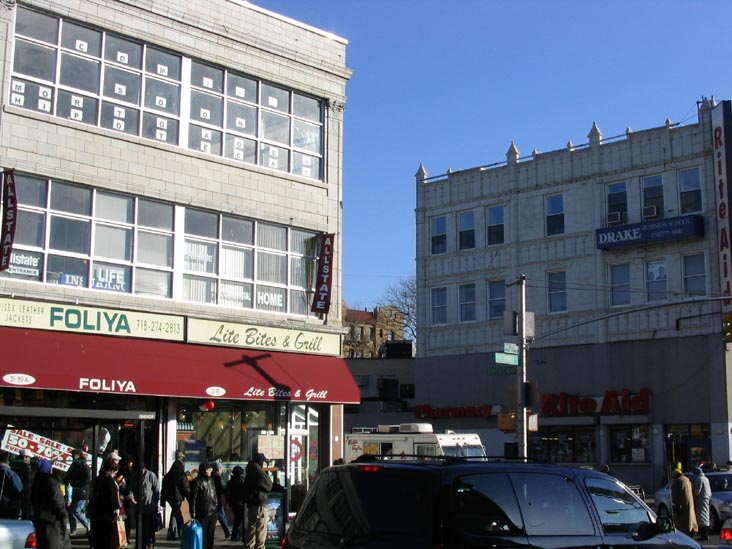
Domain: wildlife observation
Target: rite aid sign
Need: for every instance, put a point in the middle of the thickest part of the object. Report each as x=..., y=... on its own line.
x=648, y=232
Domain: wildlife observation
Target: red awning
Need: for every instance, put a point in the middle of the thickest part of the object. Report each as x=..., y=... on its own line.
x=67, y=361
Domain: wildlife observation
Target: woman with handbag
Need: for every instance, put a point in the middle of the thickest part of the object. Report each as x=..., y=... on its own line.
x=107, y=531
x=49, y=509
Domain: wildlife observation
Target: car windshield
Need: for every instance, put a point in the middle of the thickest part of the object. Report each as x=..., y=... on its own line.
x=371, y=502
x=720, y=483
x=463, y=450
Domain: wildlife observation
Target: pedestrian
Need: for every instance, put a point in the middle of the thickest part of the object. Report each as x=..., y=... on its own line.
x=149, y=500
x=606, y=469
x=682, y=501
x=729, y=465
x=220, y=510
x=257, y=485
x=702, y=496
x=203, y=503
x=77, y=490
x=235, y=498
x=124, y=479
x=174, y=491
x=49, y=509
x=11, y=489
x=105, y=504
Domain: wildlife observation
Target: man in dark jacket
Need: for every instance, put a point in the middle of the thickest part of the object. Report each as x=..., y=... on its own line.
x=105, y=503
x=77, y=484
x=203, y=503
x=257, y=485
x=235, y=497
x=11, y=489
x=220, y=511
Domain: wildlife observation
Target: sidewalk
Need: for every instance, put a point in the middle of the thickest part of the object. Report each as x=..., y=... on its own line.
x=81, y=542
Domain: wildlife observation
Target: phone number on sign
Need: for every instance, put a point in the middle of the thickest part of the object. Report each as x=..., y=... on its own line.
x=165, y=327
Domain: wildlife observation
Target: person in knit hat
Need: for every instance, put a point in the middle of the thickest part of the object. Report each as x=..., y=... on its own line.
x=257, y=485
x=702, y=496
x=682, y=501
x=49, y=508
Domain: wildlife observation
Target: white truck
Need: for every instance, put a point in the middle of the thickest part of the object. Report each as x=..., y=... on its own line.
x=410, y=439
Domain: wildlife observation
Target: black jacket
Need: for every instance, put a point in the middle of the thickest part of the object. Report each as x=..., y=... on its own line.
x=78, y=477
x=256, y=484
x=175, y=488
x=203, y=502
x=235, y=493
x=49, y=512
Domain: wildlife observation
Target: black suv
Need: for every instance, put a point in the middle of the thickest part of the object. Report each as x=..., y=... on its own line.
x=454, y=503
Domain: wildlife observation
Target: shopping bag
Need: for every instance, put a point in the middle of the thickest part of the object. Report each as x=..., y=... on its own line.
x=192, y=535
x=119, y=537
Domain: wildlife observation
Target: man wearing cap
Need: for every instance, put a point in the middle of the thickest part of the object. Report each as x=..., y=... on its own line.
x=49, y=516
x=105, y=504
x=257, y=485
x=11, y=491
x=203, y=503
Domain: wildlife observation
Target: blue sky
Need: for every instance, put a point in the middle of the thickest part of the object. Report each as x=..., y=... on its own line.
x=450, y=83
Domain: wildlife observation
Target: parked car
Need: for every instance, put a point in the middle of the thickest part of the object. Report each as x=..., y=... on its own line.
x=461, y=503
x=17, y=534
x=720, y=508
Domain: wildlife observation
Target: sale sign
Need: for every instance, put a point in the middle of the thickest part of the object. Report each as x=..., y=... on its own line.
x=16, y=440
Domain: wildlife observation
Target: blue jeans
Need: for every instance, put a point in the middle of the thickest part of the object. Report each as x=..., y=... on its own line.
x=175, y=526
x=76, y=513
x=224, y=521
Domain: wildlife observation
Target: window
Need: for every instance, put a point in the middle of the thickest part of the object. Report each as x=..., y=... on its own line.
x=564, y=444
x=439, y=235
x=467, y=302
x=652, y=197
x=60, y=68
x=92, y=238
x=656, y=280
x=619, y=285
x=618, y=510
x=439, y=306
x=496, y=298
x=486, y=506
x=551, y=505
x=557, y=288
x=690, y=188
x=495, y=225
x=617, y=203
x=695, y=280
x=554, y=214
x=466, y=232
x=630, y=444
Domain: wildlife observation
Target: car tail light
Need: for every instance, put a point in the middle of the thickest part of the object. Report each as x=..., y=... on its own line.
x=30, y=541
x=726, y=535
x=370, y=468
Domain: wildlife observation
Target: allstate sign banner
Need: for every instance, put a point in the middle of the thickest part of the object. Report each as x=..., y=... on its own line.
x=649, y=232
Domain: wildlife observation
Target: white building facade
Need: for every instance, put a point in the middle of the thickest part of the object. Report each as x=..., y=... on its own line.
x=620, y=244
x=178, y=174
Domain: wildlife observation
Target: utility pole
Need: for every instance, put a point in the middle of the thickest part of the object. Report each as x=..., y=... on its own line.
x=521, y=427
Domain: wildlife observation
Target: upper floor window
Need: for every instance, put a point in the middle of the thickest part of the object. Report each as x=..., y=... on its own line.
x=656, y=280
x=619, y=285
x=617, y=203
x=557, y=291
x=466, y=232
x=495, y=225
x=467, y=302
x=79, y=236
x=690, y=190
x=652, y=197
x=496, y=298
x=555, y=214
x=695, y=279
x=94, y=77
x=439, y=306
x=439, y=235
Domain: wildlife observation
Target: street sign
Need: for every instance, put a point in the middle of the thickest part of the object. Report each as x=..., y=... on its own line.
x=510, y=348
x=501, y=371
x=503, y=358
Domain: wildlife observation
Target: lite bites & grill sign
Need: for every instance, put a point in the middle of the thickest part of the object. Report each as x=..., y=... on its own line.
x=10, y=216
x=324, y=282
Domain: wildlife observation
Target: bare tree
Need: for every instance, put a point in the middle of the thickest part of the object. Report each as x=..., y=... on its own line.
x=403, y=295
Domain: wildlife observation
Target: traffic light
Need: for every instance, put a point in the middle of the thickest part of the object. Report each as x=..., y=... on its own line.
x=727, y=327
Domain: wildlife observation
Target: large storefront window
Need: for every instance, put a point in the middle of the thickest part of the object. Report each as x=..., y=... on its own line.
x=630, y=444
x=134, y=88
x=564, y=444
x=79, y=236
x=689, y=444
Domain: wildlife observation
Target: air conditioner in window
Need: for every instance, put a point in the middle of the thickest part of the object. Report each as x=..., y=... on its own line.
x=649, y=212
x=614, y=218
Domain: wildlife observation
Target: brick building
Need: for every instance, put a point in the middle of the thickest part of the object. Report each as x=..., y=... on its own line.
x=368, y=331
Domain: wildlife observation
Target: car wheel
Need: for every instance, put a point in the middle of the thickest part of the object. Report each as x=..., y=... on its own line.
x=663, y=512
x=714, y=522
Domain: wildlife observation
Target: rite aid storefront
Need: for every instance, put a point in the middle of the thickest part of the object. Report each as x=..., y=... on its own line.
x=151, y=384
